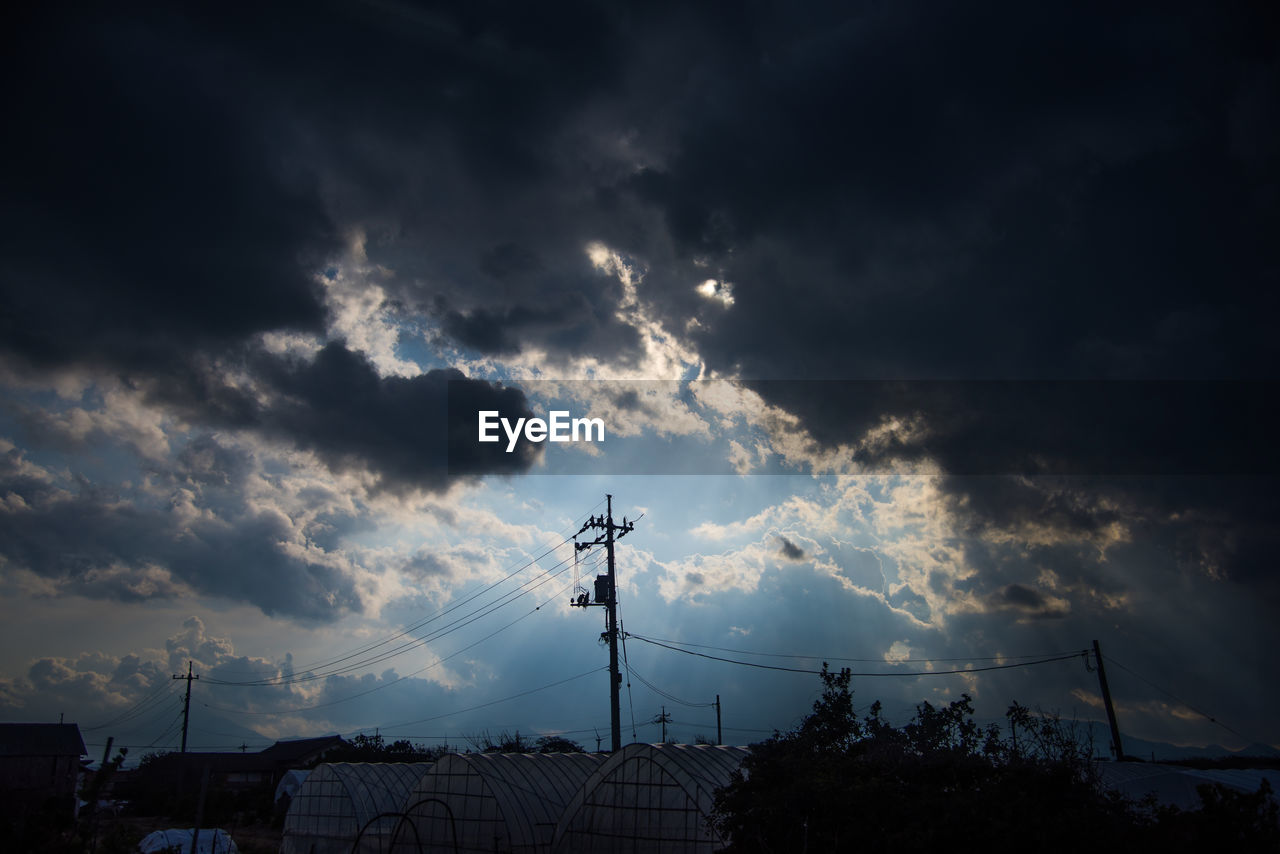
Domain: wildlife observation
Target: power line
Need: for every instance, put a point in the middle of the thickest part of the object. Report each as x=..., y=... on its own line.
x=548, y=549
x=627, y=664
x=1170, y=694
x=147, y=722
x=134, y=710
x=193, y=747
x=701, y=725
x=672, y=697
x=1064, y=657
x=496, y=702
x=434, y=664
x=204, y=731
x=462, y=737
x=461, y=622
x=862, y=660
x=527, y=587
x=172, y=729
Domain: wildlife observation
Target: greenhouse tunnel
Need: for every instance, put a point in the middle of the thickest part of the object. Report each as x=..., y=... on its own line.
x=649, y=798
x=341, y=801
x=489, y=802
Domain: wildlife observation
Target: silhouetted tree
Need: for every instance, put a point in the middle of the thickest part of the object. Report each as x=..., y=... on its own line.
x=504, y=742
x=557, y=744
x=836, y=783
x=374, y=748
x=1228, y=820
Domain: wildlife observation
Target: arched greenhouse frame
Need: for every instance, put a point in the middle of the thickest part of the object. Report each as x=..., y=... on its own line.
x=649, y=798
x=341, y=801
x=485, y=802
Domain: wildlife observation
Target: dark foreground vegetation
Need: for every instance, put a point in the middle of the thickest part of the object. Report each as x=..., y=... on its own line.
x=152, y=798
x=941, y=782
x=837, y=782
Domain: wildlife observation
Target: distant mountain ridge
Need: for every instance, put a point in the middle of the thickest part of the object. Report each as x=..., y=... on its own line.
x=1161, y=751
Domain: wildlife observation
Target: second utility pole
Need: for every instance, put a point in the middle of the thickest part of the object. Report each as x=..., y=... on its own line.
x=1106, y=700
x=186, y=704
x=607, y=595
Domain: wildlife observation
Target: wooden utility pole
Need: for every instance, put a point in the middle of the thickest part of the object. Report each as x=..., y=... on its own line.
x=719, y=736
x=1106, y=700
x=186, y=705
x=606, y=595
x=663, y=719
x=195, y=832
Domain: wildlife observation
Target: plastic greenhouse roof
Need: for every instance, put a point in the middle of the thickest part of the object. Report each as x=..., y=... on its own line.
x=290, y=783
x=209, y=841
x=340, y=798
x=529, y=792
x=697, y=769
x=1175, y=785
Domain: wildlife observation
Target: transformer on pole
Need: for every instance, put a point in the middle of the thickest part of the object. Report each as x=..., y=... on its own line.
x=606, y=596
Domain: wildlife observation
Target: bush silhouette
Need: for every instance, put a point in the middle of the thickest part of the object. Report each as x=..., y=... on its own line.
x=837, y=783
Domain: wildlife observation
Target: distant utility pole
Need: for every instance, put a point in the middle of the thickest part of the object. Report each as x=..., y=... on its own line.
x=663, y=719
x=606, y=595
x=186, y=705
x=719, y=736
x=1106, y=699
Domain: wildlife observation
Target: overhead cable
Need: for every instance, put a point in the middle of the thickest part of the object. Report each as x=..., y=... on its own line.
x=1064, y=657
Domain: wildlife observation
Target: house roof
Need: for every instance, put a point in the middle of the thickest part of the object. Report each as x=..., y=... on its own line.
x=276, y=758
x=301, y=748
x=222, y=762
x=41, y=740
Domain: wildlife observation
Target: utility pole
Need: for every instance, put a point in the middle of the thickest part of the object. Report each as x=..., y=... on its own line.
x=1106, y=699
x=719, y=736
x=663, y=719
x=606, y=595
x=195, y=833
x=186, y=705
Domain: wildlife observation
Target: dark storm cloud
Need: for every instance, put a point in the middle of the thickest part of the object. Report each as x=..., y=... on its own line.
x=149, y=207
x=206, y=462
x=906, y=599
x=1048, y=192
x=925, y=191
x=790, y=550
x=891, y=191
x=903, y=191
x=1124, y=428
x=199, y=523
x=1027, y=192
x=1031, y=602
x=912, y=190
x=1221, y=527
x=410, y=432
x=426, y=565
x=566, y=325
x=105, y=545
x=457, y=140
x=161, y=209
